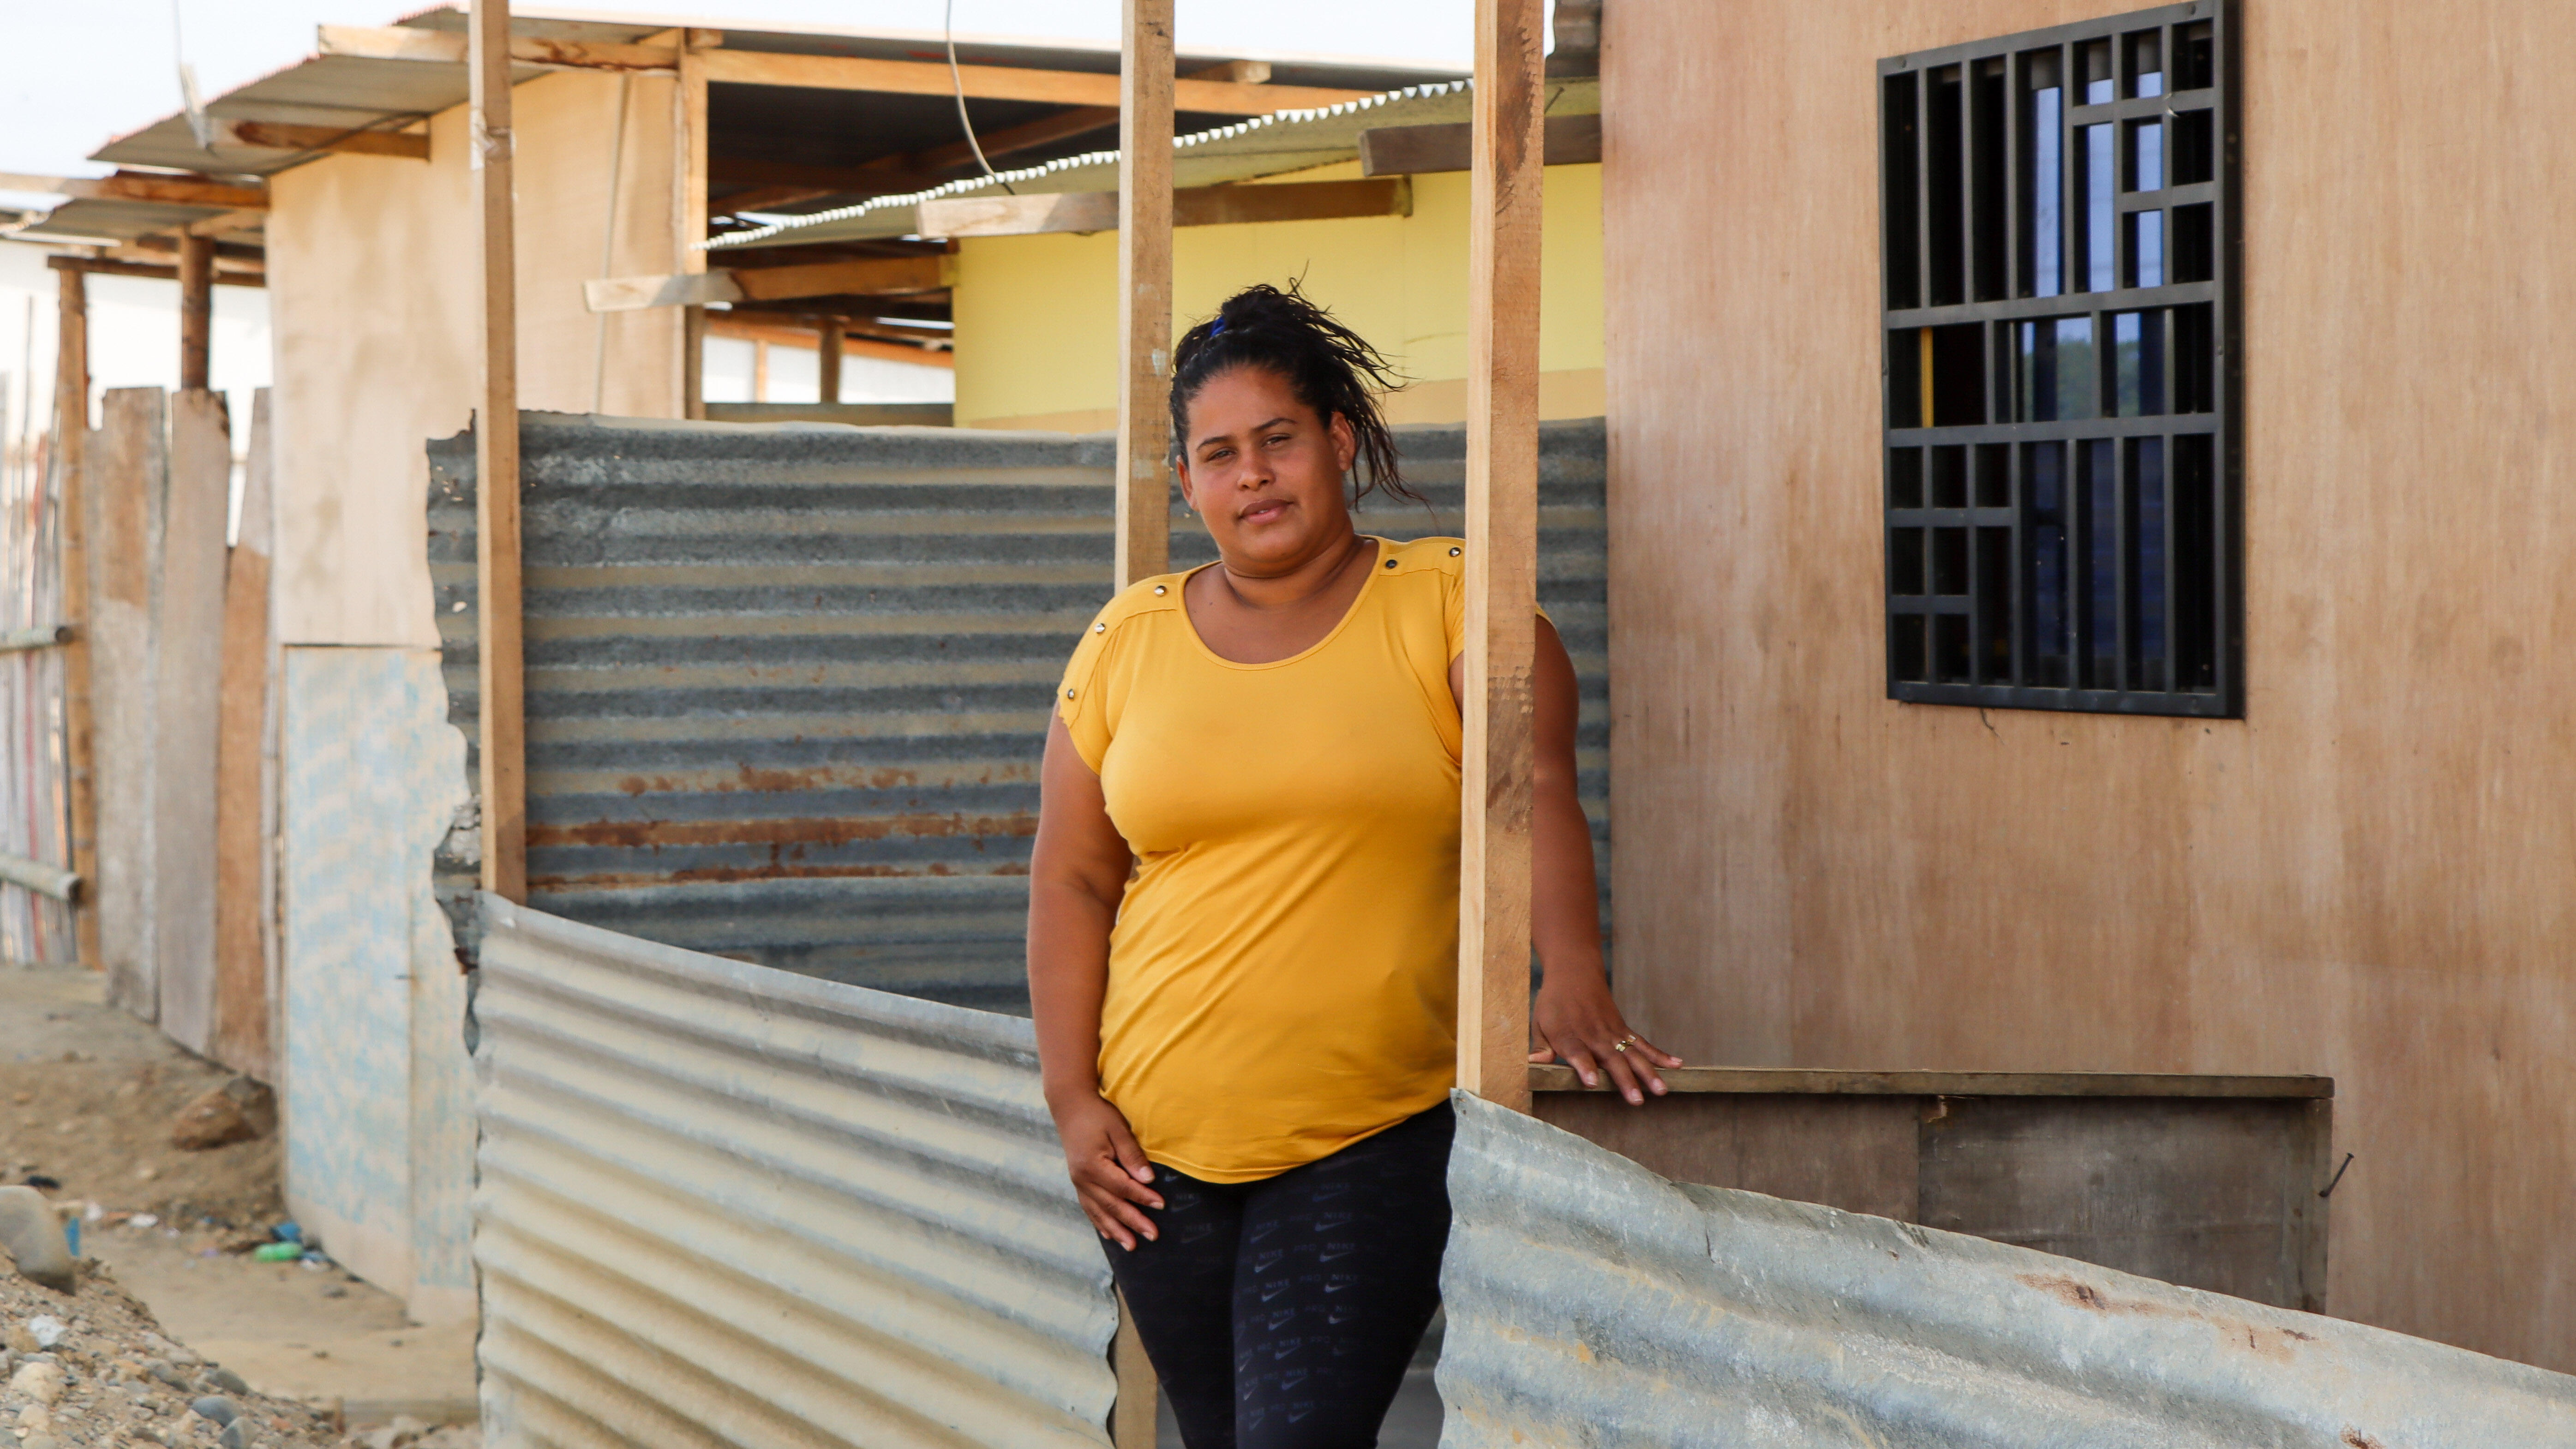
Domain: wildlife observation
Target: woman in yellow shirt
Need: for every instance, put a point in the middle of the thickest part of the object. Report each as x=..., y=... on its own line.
x=1243, y=919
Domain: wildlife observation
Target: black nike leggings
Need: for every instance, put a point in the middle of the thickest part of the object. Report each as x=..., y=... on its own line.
x=1280, y=1314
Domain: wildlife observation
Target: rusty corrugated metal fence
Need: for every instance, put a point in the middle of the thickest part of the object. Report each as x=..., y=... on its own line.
x=725, y=1204
x=1592, y=1303
x=787, y=685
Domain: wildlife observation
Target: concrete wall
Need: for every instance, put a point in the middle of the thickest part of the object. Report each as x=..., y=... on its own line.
x=374, y=276
x=1037, y=319
x=2367, y=876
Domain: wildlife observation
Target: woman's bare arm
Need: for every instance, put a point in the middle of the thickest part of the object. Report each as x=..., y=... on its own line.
x=1573, y=1018
x=1077, y=876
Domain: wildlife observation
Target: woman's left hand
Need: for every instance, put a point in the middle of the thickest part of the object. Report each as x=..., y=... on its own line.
x=1575, y=1021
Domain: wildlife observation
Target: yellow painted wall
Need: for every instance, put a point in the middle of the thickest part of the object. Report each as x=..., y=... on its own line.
x=1037, y=322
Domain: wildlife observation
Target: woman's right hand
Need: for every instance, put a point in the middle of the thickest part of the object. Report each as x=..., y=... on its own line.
x=1109, y=1170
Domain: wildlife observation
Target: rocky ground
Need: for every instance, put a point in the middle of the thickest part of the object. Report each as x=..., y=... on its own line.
x=283, y=1354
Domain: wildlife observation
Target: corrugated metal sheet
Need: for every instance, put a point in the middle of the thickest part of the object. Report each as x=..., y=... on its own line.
x=722, y=1204
x=1593, y=1303
x=787, y=685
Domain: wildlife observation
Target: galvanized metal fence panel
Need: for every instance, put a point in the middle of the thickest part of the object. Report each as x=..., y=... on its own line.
x=788, y=685
x=1592, y=1303
x=722, y=1204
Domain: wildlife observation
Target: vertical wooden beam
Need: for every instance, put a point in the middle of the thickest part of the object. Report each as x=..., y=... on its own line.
x=241, y=1022
x=502, y=739
x=1144, y=506
x=827, y=361
x=1502, y=553
x=1144, y=290
x=196, y=311
x=71, y=433
x=689, y=211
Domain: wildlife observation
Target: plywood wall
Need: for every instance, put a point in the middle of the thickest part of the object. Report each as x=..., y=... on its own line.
x=2370, y=875
x=372, y=284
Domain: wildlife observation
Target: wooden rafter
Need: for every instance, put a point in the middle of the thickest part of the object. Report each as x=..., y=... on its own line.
x=139, y=186
x=966, y=216
x=870, y=277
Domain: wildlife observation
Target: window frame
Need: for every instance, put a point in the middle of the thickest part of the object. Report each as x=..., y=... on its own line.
x=1987, y=284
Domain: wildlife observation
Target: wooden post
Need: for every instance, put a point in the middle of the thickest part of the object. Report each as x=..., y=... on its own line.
x=240, y=1038
x=71, y=432
x=1144, y=290
x=196, y=310
x=827, y=361
x=689, y=212
x=502, y=737
x=1502, y=554
x=1144, y=504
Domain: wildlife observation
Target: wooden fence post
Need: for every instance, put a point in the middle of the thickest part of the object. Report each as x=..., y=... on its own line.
x=503, y=776
x=241, y=1023
x=1502, y=553
x=71, y=433
x=1144, y=290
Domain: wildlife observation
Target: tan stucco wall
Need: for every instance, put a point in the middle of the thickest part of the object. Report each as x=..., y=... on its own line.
x=374, y=275
x=2367, y=876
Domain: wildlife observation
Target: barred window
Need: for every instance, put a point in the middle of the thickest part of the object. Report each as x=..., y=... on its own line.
x=2061, y=459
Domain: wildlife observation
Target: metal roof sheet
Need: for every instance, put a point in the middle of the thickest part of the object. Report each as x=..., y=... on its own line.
x=1271, y=145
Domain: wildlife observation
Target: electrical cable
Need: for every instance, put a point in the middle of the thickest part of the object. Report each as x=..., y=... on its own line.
x=957, y=86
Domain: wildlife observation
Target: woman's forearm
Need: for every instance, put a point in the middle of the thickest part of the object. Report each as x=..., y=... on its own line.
x=1068, y=976
x=1565, y=904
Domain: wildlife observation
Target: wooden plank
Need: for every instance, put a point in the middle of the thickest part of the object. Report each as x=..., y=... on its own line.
x=287, y=136
x=187, y=645
x=242, y=898
x=1144, y=213
x=125, y=466
x=76, y=265
x=1502, y=554
x=1424, y=150
x=1820, y=1081
x=1004, y=83
x=498, y=619
x=689, y=210
x=1089, y=211
x=133, y=186
x=869, y=277
x=196, y=311
x=858, y=339
x=1855, y=1153
x=446, y=47
x=71, y=433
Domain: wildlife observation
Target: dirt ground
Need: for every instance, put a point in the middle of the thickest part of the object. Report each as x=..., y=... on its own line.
x=87, y=1097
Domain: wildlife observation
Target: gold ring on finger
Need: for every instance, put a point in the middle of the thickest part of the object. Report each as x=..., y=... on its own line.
x=1621, y=1044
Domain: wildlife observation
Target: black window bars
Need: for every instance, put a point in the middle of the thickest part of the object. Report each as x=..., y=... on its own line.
x=2062, y=466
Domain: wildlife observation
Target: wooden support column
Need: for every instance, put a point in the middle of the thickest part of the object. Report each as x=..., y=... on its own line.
x=71, y=433
x=1144, y=290
x=502, y=737
x=689, y=211
x=196, y=311
x=1144, y=506
x=1502, y=553
x=827, y=361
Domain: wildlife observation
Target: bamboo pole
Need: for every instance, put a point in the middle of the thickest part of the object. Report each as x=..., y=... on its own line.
x=1502, y=554
x=196, y=311
x=503, y=774
x=71, y=434
x=1144, y=290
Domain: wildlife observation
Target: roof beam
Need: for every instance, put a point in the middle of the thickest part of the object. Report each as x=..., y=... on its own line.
x=136, y=186
x=965, y=216
x=1424, y=150
x=447, y=47
x=286, y=136
x=1065, y=125
x=1003, y=83
x=97, y=268
x=873, y=277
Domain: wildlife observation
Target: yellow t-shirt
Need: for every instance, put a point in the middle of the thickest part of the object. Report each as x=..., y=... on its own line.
x=1283, y=976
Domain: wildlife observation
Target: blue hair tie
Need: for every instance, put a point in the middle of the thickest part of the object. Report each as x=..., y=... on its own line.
x=1217, y=328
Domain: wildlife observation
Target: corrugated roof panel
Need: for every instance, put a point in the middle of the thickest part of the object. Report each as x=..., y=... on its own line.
x=787, y=686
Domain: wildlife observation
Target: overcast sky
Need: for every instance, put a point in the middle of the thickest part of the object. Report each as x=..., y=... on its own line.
x=110, y=66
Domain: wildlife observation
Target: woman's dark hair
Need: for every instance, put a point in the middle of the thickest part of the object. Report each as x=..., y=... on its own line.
x=1330, y=368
